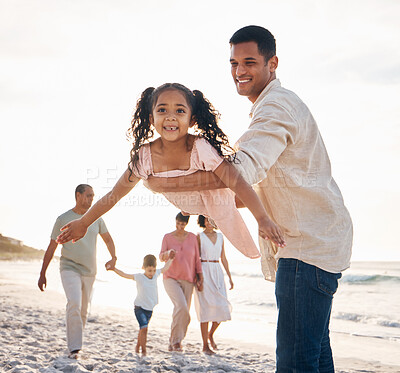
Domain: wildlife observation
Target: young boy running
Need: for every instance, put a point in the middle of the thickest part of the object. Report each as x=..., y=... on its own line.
x=147, y=294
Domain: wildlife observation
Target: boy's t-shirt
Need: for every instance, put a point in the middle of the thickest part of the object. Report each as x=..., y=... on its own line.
x=147, y=293
x=80, y=256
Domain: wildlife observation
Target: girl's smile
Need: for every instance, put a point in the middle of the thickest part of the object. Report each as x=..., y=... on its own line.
x=170, y=128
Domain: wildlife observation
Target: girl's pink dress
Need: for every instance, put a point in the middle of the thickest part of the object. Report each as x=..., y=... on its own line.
x=217, y=204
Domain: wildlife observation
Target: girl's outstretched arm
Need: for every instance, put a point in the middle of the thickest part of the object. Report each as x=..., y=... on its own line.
x=77, y=229
x=232, y=179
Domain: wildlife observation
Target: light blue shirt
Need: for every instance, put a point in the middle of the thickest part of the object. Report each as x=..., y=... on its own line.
x=147, y=290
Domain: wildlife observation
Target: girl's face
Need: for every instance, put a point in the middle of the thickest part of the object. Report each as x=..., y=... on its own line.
x=172, y=115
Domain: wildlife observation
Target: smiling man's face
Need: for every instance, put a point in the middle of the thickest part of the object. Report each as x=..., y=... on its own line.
x=250, y=72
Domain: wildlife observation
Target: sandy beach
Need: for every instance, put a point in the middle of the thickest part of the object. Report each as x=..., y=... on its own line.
x=32, y=339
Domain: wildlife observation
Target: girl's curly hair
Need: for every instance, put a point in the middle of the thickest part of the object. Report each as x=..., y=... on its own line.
x=206, y=125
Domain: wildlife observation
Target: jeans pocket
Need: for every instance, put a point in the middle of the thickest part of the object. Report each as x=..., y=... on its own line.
x=327, y=282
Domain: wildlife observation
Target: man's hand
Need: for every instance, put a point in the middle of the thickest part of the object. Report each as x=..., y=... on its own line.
x=42, y=283
x=110, y=265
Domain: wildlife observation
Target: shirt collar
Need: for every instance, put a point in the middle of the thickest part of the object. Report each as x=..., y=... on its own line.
x=272, y=84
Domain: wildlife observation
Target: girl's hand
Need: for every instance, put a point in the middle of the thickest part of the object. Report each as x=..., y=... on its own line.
x=268, y=230
x=231, y=283
x=74, y=231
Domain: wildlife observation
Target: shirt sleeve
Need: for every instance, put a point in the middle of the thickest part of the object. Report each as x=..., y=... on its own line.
x=56, y=229
x=102, y=226
x=142, y=168
x=271, y=130
x=209, y=157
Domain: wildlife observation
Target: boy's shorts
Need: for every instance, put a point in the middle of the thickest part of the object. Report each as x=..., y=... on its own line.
x=143, y=316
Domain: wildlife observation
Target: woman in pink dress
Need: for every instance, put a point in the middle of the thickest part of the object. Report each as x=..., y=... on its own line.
x=179, y=280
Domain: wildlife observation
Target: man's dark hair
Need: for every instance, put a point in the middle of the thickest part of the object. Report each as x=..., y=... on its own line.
x=149, y=261
x=81, y=188
x=264, y=39
x=182, y=218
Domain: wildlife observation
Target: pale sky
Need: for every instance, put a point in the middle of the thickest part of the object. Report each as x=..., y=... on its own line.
x=71, y=72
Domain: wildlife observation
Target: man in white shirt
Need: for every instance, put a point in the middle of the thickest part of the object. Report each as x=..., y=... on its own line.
x=78, y=266
x=283, y=156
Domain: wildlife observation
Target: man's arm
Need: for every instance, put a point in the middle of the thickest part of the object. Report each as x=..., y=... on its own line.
x=48, y=256
x=231, y=177
x=272, y=129
x=200, y=180
x=111, y=248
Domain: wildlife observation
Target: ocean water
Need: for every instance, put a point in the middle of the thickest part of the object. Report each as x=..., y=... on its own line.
x=367, y=303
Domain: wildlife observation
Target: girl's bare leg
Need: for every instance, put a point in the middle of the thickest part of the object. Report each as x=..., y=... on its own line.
x=204, y=336
x=214, y=327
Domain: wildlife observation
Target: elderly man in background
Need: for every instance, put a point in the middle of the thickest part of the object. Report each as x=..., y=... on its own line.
x=78, y=266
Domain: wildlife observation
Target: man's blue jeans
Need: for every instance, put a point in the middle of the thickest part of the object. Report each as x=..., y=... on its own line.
x=304, y=296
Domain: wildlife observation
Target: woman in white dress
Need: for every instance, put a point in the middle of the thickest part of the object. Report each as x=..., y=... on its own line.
x=212, y=304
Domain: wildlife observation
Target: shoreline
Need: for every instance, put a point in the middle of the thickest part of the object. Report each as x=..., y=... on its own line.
x=32, y=339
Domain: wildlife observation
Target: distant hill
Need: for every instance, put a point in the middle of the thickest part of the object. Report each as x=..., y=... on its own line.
x=13, y=249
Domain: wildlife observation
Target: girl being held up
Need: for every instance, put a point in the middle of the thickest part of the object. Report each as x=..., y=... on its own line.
x=171, y=110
